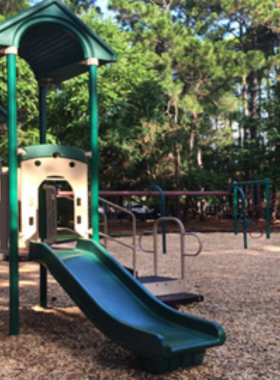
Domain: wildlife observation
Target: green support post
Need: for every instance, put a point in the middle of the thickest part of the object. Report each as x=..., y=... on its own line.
x=267, y=211
x=42, y=195
x=93, y=113
x=235, y=208
x=43, y=113
x=13, y=195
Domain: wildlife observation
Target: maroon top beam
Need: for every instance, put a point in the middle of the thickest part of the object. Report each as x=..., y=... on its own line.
x=167, y=193
x=112, y=193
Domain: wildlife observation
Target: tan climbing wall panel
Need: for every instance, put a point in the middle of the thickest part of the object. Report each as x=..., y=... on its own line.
x=36, y=171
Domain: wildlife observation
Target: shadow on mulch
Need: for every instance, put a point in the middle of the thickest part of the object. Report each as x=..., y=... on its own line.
x=71, y=331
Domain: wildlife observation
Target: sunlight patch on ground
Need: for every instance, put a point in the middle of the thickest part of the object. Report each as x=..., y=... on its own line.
x=40, y=309
x=271, y=248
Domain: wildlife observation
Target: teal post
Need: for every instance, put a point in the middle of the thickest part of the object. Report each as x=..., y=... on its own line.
x=43, y=113
x=42, y=195
x=235, y=208
x=13, y=195
x=267, y=211
x=93, y=114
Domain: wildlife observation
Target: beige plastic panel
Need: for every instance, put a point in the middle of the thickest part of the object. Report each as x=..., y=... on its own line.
x=33, y=176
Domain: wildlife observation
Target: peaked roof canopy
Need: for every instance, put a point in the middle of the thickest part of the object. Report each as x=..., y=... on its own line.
x=3, y=115
x=54, y=41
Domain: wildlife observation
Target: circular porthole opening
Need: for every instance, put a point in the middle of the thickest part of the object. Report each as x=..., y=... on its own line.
x=72, y=164
x=37, y=163
x=56, y=154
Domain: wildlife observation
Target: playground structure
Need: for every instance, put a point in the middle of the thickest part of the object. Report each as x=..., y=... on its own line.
x=37, y=162
x=109, y=296
x=169, y=290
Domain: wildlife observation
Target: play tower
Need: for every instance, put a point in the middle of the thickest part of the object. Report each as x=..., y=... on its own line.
x=58, y=46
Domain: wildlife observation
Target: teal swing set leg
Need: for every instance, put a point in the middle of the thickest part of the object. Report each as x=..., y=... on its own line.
x=13, y=195
x=93, y=113
x=42, y=209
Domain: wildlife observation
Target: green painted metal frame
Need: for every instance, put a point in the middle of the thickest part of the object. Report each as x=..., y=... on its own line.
x=265, y=182
x=93, y=113
x=13, y=195
x=11, y=33
x=244, y=215
x=42, y=195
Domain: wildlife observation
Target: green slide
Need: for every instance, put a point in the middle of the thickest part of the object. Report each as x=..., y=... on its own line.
x=127, y=313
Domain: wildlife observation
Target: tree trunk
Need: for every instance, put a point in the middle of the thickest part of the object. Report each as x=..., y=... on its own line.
x=192, y=138
x=245, y=110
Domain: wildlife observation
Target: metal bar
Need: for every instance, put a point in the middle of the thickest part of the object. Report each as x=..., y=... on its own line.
x=235, y=209
x=267, y=208
x=93, y=112
x=113, y=193
x=133, y=230
x=42, y=210
x=105, y=232
x=43, y=236
x=182, y=231
x=199, y=245
x=115, y=240
x=43, y=113
x=250, y=182
x=162, y=206
x=245, y=224
x=13, y=195
x=145, y=233
x=43, y=286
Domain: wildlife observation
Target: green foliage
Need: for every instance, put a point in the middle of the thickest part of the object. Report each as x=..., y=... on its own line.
x=9, y=8
x=192, y=103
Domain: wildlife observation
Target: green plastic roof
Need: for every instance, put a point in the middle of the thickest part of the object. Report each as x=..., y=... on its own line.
x=48, y=150
x=3, y=115
x=54, y=41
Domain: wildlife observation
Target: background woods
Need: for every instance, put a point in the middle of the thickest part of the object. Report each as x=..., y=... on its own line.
x=192, y=103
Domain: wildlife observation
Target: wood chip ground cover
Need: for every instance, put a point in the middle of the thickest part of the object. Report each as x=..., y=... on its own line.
x=241, y=290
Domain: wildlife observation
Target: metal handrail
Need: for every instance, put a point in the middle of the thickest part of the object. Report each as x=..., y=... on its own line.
x=133, y=246
x=105, y=220
x=183, y=233
x=142, y=234
x=105, y=233
x=200, y=245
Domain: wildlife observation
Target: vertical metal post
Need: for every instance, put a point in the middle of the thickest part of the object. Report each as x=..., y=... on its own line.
x=13, y=196
x=43, y=113
x=245, y=224
x=93, y=114
x=42, y=195
x=235, y=208
x=162, y=206
x=267, y=211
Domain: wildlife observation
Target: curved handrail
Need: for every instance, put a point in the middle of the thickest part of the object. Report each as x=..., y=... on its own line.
x=133, y=247
x=148, y=233
x=142, y=234
x=200, y=245
x=182, y=236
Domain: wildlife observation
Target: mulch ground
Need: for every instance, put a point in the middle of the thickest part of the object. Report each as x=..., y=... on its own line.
x=241, y=290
